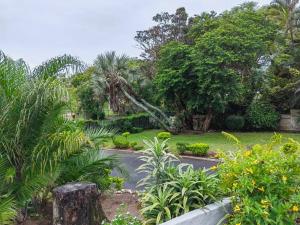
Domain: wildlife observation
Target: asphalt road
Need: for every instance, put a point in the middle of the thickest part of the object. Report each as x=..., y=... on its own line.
x=131, y=162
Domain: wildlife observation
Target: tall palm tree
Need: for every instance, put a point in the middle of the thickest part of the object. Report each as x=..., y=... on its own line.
x=35, y=138
x=112, y=76
x=287, y=14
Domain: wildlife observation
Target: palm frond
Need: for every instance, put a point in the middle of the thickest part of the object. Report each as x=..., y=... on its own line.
x=59, y=66
x=7, y=210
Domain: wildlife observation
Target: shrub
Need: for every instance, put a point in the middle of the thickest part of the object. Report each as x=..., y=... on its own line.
x=181, y=147
x=136, y=130
x=262, y=115
x=138, y=147
x=264, y=182
x=173, y=190
x=123, y=218
x=126, y=134
x=164, y=135
x=235, y=122
x=290, y=147
x=121, y=142
x=199, y=149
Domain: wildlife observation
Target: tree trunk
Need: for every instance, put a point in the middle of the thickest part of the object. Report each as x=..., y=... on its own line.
x=77, y=204
x=207, y=121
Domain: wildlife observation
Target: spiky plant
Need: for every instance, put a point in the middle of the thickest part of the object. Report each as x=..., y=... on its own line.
x=35, y=138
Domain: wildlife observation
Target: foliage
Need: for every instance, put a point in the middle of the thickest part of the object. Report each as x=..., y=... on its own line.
x=164, y=135
x=126, y=134
x=262, y=115
x=35, y=138
x=290, y=147
x=174, y=75
x=123, y=218
x=199, y=149
x=121, y=142
x=173, y=190
x=181, y=147
x=235, y=122
x=264, y=182
x=155, y=160
x=169, y=27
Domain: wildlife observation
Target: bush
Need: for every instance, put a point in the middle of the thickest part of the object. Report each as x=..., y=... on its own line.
x=136, y=130
x=126, y=134
x=262, y=115
x=138, y=147
x=164, y=135
x=133, y=123
x=121, y=142
x=264, y=182
x=199, y=149
x=173, y=190
x=181, y=147
x=235, y=123
x=123, y=218
x=290, y=147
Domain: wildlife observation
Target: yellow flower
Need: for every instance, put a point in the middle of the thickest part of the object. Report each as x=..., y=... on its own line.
x=213, y=168
x=264, y=202
x=249, y=170
x=253, y=182
x=262, y=189
x=295, y=208
x=247, y=153
x=265, y=213
x=237, y=208
x=284, y=178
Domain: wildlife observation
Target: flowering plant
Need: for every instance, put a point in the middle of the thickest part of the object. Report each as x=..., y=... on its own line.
x=265, y=183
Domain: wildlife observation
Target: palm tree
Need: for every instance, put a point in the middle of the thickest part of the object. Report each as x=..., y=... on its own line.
x=112, y=76
x=287, y=15
x=35, y=138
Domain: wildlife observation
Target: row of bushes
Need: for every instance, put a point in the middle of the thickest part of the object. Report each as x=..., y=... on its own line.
x=135, y=123
x=260, y=115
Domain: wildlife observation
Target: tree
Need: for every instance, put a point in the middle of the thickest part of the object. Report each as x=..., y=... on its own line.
x=111, y=76
x=35, y=138
x=227, y=56
x=287, y=14
x=217, y=65
x=170, y=27
x=176, y=81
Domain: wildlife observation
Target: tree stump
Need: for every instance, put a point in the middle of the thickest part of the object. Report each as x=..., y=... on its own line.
x=77, y=204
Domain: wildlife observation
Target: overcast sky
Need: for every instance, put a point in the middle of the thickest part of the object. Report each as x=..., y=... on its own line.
x=36, y=30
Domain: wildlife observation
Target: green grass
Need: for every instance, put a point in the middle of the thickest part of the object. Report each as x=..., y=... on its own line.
x=216, y=140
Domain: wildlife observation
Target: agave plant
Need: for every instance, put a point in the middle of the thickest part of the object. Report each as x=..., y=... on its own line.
x=156, y=161
x=35, y=138
x=172, y=190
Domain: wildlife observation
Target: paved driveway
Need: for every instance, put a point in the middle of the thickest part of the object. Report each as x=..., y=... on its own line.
x=131, y=162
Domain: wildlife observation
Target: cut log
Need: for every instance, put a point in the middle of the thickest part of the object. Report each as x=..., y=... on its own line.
x=77, y=204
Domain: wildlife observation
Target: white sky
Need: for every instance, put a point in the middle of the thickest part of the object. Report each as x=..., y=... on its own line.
x=36, y=30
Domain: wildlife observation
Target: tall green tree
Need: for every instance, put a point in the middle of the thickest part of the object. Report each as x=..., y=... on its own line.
x=287, y=14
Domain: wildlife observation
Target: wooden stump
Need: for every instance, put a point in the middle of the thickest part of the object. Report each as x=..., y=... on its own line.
x=77, y=204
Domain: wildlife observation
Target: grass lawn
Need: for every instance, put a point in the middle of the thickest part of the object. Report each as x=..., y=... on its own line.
x=216, y=140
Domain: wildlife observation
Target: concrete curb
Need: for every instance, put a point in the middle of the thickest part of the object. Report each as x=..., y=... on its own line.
x=180, y=156
x=209, y=215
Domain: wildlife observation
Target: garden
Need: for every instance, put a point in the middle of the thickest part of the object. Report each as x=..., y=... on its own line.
x=210, y=111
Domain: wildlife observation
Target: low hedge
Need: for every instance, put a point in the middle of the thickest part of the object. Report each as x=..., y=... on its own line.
x=198, y=149
x=164, y=135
